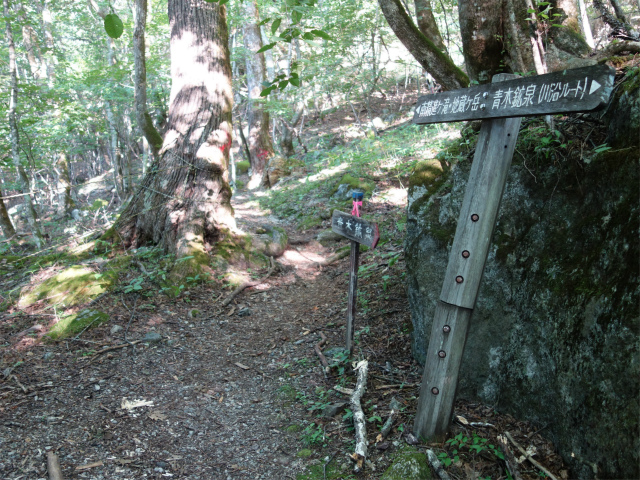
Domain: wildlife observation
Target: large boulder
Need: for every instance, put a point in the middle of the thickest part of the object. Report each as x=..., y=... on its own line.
x=270, y=240
x=553, y=338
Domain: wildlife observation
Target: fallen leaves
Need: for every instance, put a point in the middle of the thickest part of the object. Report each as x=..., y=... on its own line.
x=130, y=405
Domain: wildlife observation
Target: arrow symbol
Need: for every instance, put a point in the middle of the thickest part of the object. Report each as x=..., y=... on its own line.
x=594, y=86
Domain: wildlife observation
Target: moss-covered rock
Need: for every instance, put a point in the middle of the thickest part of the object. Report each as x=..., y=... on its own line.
x=76, y=323
x=354, y=183
x=72, y=286
x=242, y=167
x=270, y=240
x=408, y=464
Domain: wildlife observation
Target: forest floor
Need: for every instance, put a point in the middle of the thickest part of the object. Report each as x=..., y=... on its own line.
x=188, y=388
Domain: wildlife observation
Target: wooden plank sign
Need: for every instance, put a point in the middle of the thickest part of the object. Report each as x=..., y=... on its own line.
x=355, y=228
x=359, y=231
x=577, y=90
x=501, y=105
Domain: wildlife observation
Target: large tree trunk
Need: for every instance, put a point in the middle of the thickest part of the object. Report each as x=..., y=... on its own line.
x=481, y=30
x=184, y=201
x=260, y=145
x=143, y=118
x=13, y=132
x=434, y=61
x=427, y=23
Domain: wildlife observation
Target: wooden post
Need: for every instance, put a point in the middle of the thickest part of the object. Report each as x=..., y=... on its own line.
x=500, y=106
x=358, y=231
x=354, y=261
x=496, y=144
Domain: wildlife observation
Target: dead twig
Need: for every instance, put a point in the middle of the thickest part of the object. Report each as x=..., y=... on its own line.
x=394, y=405
x=53, y=465
x=115, y=347
x=359, y=420
x=509, y=458
x=318, y=348
x=339, y=255
x=251, y=283
x=436, y=465
x=529, y=457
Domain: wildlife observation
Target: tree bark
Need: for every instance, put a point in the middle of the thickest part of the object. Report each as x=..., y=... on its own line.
x=568, y=37
x=481, y=24
x=260, y=145
x=586, y=26
x=65, y=202
x=286, y=142
x=5, y=220
x=184, y=202
x=437, y=63
x=143, y=118
x=13, y=132
x=427, y=23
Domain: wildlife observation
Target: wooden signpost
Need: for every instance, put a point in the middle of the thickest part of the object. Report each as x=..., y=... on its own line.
x=359, y=231
x=501, y=106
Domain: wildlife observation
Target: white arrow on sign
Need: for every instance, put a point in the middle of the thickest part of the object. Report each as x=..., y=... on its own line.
x=594, y=86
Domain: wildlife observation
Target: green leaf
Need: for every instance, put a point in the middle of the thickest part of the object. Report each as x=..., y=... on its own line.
x=268, y=46
x=296, y=16
x=113, y=25
x=308, y=36
x=266, y=84
x=294, y=81
x=264, y=22
x=321, y=34
x=313, y=44
x=223, y=2
x=267, y=91
x=275, y=25
x=283, y=84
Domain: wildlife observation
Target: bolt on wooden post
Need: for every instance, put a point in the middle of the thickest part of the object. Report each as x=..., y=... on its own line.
x=359, y=231
x=501, y=106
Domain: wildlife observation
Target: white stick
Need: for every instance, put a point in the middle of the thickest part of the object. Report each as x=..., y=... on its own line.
x=437, y=466
x=359, y=419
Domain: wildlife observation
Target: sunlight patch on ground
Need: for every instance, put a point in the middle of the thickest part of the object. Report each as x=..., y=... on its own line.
x=395, y=196
x=324, y=173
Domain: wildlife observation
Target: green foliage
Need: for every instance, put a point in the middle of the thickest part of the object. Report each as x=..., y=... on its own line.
x=113, y=25
x=461, y=444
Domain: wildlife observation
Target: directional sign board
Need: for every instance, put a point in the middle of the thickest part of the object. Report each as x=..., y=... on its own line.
x=355, y=228
x=576, y=90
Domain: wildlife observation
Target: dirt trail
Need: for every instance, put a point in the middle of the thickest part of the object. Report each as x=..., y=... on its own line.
x=217, y=383
x=221, y=392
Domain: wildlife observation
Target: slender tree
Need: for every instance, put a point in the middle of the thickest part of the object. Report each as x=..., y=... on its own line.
x=145, y=123
x=5, y=220
x=260, y=145
x=184, y=201
x=427, y=23
x=32, y=216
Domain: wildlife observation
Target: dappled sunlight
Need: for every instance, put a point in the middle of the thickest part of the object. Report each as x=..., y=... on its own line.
x=394, y=196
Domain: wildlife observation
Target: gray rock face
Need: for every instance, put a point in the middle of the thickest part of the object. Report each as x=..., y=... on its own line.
x=553, y=338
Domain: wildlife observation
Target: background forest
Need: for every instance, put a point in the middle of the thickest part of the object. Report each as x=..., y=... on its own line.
x=168, y=174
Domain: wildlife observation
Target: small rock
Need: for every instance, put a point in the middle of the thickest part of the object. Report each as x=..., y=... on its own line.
x=152, y=337
x=48, y=356
x=115, y=329
x=411, y=439
x=333, y=409
x=194, y=313
x=329, y=236
x=244, y=312
x=382, y=446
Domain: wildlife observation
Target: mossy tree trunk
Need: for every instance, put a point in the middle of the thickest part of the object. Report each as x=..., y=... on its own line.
x=433, y=60
x=427, y=23
x=5, y=220
x=184, y=201
x=65, y=202
x=260, y=145
x=145, y=123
